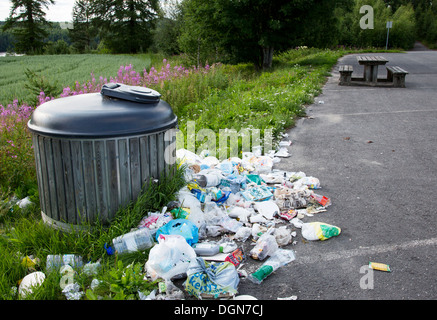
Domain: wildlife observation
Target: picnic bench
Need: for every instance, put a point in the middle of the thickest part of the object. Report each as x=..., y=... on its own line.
x=345, y=74
x=395, y=74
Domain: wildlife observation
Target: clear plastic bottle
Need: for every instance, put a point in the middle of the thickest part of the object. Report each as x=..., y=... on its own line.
x=138, y=240
x=280, y=258
x=207, y=248
x=206, y=180
x=55, y=261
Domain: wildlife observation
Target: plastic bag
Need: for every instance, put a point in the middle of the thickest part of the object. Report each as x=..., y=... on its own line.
x=280, y=258
x=282, y=236
x=229, y=224
x=188, y=199
x=187, y=156
x=263, y=164
x=240, y=213
x=310, y=182
x=258, y=193
x=316, y=230
x=254, y=178
x=211, y=279
x=265, y=246
x=268, y=209
x=182, y=227
x=243, y=234
x=170, y=257
x=155, y=220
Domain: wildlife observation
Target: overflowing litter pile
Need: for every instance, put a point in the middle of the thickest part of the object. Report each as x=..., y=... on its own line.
x=227, y=205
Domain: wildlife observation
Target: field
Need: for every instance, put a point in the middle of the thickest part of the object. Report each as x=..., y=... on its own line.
x=215, y=97
x=60, y=71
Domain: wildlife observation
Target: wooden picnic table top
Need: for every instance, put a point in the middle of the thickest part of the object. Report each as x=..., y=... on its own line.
x=371, y=60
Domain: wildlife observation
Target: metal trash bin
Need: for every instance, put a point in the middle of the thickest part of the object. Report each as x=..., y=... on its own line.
x=95, y=151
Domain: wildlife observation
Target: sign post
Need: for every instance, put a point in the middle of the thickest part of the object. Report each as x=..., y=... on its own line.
x=389, y=25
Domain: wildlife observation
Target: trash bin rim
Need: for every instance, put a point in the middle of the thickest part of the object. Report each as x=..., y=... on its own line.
x=93, y=115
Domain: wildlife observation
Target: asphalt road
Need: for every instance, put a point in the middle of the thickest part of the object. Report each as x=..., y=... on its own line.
x=375, y=153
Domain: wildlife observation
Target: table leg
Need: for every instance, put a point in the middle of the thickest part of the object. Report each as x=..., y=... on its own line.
x=374, y=74
x=368, y=73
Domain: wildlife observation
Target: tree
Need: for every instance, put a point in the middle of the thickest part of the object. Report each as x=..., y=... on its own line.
x=251, y=30
x=125, y=25
x=167, y=28
x=199, y=35
x=84, y=32
x=165, y=36
x=26, y=21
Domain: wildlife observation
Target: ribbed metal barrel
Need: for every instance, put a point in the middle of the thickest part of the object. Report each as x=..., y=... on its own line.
x=84, y=175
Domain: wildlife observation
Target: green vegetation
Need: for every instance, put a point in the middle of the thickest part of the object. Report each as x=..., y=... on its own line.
x=59, y=71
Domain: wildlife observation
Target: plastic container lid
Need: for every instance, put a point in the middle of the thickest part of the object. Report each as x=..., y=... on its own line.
x=118, y=110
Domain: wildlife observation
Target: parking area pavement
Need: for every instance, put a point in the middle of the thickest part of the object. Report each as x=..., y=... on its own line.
x=374, y=150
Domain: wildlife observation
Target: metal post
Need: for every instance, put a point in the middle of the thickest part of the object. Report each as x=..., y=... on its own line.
x=389, y=25
x=386, y=43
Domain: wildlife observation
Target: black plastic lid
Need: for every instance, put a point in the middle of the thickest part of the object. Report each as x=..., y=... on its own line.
x=119, y=110
x=131, y=93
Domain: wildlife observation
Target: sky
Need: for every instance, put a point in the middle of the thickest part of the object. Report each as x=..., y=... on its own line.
x=59, y=12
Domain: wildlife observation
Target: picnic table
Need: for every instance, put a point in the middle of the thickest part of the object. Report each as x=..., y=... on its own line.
x=395, y=74
x=371, y=64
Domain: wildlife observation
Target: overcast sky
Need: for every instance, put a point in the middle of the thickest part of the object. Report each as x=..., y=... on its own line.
x=58, y=12
x=61, y=11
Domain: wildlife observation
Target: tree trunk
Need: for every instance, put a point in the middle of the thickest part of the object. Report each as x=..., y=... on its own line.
x=198, y=52
x=267, y=56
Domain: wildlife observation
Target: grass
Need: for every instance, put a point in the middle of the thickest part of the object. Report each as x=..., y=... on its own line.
x=24, y=233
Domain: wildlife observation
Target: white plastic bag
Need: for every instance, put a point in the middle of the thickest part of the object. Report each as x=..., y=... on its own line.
x=267, y=208
x=240, y=213
x=316, y=230
x=282, y=236
x=187, y=156
x=265, y=246
x=243, y=234
x=170, y=257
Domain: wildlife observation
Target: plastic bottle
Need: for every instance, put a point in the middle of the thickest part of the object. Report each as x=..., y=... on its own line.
x=207, y=248
x=280, y=258
x=138, y=240
x=206, y=180
x=55, y=261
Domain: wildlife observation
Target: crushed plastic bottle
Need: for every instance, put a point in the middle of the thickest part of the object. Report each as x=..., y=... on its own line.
x=138, y=240
x=280, y=258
